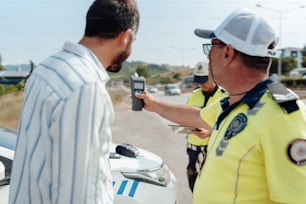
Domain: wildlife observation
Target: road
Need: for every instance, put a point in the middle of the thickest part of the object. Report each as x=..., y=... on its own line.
x=149, y=131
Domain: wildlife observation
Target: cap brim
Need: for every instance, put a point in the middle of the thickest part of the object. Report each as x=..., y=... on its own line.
x=204, y=33
x=200, y=79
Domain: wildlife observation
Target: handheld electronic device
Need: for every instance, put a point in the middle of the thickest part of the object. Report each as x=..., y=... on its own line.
x=137, y=86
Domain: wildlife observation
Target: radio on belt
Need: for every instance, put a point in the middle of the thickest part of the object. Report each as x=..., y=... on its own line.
x=137, y=86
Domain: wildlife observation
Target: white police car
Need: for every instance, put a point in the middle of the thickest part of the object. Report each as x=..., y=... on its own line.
x=139, y=176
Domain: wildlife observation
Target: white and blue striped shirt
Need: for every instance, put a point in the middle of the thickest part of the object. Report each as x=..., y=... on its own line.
x=64, y=133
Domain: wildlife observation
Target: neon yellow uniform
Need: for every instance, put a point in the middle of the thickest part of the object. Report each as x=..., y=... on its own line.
x=195, y=144
x=199, y=99
x=257, y=151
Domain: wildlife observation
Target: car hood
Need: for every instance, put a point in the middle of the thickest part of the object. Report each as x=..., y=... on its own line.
x=145, y=160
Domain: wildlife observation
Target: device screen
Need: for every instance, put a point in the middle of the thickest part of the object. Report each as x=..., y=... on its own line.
x=138, y=85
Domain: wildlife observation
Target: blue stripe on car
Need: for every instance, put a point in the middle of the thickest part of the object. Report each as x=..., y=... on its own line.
x=133, y=189
x=123, y=187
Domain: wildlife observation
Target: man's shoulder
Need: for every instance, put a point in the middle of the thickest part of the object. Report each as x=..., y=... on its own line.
x=283, y=96
x=196, y=90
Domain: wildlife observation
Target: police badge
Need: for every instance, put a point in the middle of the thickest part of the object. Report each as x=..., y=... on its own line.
x=297, y=152
x=236, y=126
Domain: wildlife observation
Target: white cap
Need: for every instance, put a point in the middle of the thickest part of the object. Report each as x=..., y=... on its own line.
x=200, y=73
x=247, y=32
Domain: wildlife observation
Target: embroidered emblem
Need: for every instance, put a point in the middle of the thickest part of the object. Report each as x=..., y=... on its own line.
x=236, y=126
x=297, y=152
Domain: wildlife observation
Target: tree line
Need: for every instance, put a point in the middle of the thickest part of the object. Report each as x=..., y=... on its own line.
x=160, y=73
x=288, y=63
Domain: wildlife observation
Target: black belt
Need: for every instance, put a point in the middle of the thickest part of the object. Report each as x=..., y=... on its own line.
x=197, y=148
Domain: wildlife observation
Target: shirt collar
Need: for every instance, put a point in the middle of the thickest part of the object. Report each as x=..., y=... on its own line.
x=208, y=94
x=252, y=96
x=255, y=94
x=88, y=55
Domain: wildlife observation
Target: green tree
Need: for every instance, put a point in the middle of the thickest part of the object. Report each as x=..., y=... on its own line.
x=165, y=80
x=177, y=76
x=288, y=63
x=304, y=61
x=143, y=70
x=1, y=66
x=303, y=51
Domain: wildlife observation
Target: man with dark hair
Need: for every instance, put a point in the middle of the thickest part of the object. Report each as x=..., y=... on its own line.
x=64, y=133
x=257, y=136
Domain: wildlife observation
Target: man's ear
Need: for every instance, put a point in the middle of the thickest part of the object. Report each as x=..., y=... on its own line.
x=229, y=53
x=125, y=36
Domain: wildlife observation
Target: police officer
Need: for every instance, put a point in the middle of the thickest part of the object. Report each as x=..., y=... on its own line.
x=257, y=146
x=207, y=92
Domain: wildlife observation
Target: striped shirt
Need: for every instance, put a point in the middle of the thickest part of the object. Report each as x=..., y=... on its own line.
x=64, y=133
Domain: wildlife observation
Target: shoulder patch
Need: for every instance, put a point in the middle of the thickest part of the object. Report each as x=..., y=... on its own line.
x=296, y=151
x=283, y=96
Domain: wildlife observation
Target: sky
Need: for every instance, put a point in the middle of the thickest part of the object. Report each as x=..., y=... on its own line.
x=35, y=29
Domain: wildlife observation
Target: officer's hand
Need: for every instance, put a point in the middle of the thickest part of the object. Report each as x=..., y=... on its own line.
x=202, y=133
x=150, y=103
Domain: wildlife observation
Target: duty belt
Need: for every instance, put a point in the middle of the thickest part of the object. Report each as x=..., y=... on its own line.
x=196, y=148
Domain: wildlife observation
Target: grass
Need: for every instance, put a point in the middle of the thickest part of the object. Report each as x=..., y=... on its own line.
x=117, y=94
x=11, y=104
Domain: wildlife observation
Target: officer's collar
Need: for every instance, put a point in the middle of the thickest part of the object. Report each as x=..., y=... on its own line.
x=208, y=94
x=252, y=96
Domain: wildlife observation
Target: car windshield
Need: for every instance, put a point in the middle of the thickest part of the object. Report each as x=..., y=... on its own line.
x=7, y=138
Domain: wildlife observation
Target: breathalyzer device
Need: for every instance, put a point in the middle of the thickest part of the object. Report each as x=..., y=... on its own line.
x=137, y=86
